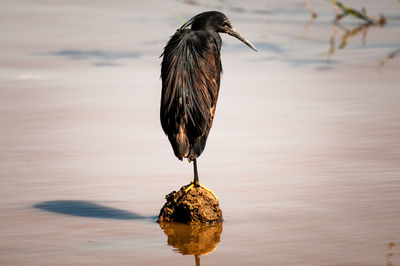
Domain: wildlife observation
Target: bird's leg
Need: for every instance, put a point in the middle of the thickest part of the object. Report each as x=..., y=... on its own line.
x=196, y=175
x=196, y=183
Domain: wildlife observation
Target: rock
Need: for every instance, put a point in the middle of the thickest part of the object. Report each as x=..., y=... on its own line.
x=195, y=206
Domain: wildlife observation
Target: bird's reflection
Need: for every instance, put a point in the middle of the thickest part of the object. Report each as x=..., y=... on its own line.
x=193, y=239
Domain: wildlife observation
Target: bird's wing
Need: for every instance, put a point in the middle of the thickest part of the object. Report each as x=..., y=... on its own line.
x=190, y=75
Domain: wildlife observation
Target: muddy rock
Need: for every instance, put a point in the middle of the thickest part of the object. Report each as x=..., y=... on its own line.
x=195, y=206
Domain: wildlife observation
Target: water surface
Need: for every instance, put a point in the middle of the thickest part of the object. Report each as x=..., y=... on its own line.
x=303, y=154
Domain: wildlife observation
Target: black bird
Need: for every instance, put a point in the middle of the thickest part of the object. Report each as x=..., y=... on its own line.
x=190, y=73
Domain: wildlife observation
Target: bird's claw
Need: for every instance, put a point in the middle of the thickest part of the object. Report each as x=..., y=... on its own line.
x=202, y=186
x=189, y=187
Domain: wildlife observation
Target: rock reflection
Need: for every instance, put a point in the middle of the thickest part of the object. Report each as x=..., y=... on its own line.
x=193, y=239
x=390, y=254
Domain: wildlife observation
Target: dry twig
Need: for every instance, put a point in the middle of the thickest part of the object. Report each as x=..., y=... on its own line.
x=314, y=15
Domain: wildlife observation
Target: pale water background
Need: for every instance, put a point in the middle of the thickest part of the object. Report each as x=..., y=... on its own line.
x=304, y=153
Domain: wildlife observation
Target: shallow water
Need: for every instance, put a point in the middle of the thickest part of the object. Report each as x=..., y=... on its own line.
x=304, y=152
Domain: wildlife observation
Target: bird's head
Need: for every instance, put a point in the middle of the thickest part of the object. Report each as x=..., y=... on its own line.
x=216, y=21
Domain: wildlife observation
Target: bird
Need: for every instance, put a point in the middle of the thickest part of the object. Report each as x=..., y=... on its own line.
x=190, y=73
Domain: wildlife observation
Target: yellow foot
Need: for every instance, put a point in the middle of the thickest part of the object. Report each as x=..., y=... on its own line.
x=203, y=187
x=189, y=187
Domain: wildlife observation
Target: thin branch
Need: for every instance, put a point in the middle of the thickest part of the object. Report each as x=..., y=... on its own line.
x=314, y=15
x=391, y=55
x=346, y=10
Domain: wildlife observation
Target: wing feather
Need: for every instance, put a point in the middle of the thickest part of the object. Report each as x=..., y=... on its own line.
x=190, y=73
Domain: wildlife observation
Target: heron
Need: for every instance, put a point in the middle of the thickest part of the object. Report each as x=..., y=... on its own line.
x=190, y=73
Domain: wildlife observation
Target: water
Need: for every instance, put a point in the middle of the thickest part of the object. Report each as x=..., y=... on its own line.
x=303, y=154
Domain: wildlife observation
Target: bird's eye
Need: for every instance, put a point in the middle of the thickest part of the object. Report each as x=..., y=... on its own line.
x=225, y=24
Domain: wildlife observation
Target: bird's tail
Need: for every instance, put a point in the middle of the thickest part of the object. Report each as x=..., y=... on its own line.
x=180, y=143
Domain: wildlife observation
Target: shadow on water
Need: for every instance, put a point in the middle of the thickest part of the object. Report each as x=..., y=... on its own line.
x=106, y=58
x=223, y=5
x=97, y=54
x=193, y=239
x=261, y=46
x=88, y=209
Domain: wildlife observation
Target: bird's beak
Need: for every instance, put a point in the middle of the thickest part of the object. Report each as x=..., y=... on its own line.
x=235, y=33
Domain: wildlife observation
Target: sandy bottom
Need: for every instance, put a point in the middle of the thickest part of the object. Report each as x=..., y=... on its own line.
x=304, y=152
